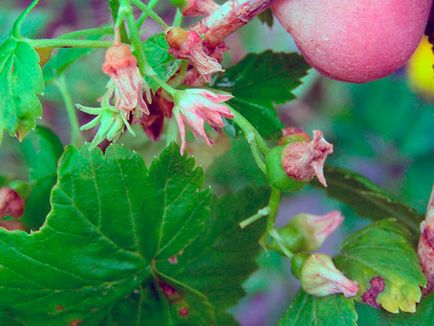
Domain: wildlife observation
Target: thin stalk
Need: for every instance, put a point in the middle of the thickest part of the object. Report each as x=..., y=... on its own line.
x=151, y=5
x=247, y=127
x=105, y=30
x=169, y=89
x=178, y=18
x=151, y=14
x=66, y=43
x=76, y=138
x=136, y=41
x=261, y=213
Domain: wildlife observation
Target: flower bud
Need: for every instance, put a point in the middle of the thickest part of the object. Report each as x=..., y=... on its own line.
x=306, y=232
x=320, y=277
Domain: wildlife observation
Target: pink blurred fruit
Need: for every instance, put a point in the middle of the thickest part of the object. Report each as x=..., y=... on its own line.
x=355, y=40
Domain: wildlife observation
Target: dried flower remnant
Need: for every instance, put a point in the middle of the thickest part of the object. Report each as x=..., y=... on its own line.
x=195, y=107
x=319, y=227
x=303, y=160
x=377, y=287
x=320, y=277
x=127, y=86
x=199, y=7
x=426, y=246
x=188, y=45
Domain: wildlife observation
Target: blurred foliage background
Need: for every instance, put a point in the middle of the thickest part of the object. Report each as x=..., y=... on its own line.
x=383, y=130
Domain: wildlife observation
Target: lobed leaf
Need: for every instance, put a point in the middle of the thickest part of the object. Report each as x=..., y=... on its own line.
x=382, y=251
x=20, y=84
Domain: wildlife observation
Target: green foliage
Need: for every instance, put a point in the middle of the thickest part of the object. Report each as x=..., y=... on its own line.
x=41, y=151
x=114, y=230
x=20, y=83
x=383, y=250
x=368, y=199
x=258, y=82
x=331, y=310
x=206, y=278
x=158, y=56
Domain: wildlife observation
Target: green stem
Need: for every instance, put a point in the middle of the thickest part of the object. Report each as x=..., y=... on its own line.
x=247, y=128
x=151, y=13
x=16, y=30
x=273, y=204
x=66, y=43
x=169, y=89
x=180, y=76
x=105, y=30
x=76, y=138
x=261, y=213
x=127, y=12
x=143, y=16
x=179, y=17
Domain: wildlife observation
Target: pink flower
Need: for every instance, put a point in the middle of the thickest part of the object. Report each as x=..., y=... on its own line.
x=188, y=45
x=121, y=65
x=320, y=277
x=11, y=203
x=426, y=246
x=199, y=7
x=303, y=160
x=195, y=107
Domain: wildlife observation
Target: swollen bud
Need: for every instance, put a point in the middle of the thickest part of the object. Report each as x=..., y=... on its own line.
x=290, y=166
x=306, y=232
x=320, y=277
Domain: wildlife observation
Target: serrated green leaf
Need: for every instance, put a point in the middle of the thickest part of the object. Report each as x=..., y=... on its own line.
x=258, y=82
x=20, y=84
x=41, y=151
x=368, y=199
x=207, y=275
x=93, y=249
x=383, y=250
x=331, y=310
x=423, y=316
x=158, y=56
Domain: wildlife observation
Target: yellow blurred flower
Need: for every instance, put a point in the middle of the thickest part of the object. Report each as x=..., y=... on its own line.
x=420, y=69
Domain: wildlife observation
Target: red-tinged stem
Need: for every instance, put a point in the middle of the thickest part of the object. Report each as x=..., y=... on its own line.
x=228, y=18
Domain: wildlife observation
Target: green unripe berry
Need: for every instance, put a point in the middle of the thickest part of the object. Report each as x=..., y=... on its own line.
x=276, y=174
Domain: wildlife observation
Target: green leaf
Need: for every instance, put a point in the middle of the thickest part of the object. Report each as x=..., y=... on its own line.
x=369, y=316
x=20, y=83
x=267, y=17
x=41, y=151
x=383, y=250
x=258, y=82
x=206, y=276
x=158, y=56
x=368, y=199
x=331, y=310
x=96, y=245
